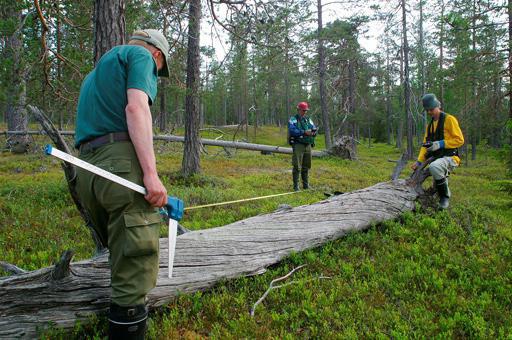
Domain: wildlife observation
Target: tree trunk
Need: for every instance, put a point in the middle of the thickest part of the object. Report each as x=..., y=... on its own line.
x=190, y=164
x=287, y=68
x=400, y=125
x=473, y=121
x=352, y=91
x=389, y=127
x=510, y=72
x=66, y=294
x=423, y=119
x=407, y=87
x=163, y=105
x=441, y=56
x=109, y=26
x=321, y=78
x=59, y=62
x=16, y=92
x=163, y=95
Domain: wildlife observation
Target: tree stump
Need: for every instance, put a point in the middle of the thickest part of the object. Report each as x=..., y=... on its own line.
x=344, y=147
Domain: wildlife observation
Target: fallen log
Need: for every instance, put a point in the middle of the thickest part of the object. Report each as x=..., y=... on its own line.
x=32, y=301
x=210, y=142
x=240, y=145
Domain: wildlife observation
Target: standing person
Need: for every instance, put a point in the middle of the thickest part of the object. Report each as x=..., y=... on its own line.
x=442, y=140
x=114, y=132
x=301, y=136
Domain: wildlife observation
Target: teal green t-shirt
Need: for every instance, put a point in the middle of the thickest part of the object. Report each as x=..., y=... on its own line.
x=103, y=97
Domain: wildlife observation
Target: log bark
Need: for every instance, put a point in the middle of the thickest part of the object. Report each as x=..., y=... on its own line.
x=33, y=300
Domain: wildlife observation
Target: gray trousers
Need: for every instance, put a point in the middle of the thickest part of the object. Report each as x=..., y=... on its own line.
x=441, y=167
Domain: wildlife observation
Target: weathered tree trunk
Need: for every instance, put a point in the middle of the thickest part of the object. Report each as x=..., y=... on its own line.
x=190, y=164
x=321, y=78
x=34, y=299
x=109, y=26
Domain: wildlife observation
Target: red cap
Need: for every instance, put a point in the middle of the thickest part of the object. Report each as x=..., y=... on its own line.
x=303, y=106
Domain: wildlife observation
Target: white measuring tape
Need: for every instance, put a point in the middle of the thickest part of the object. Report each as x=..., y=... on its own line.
x=173, y=224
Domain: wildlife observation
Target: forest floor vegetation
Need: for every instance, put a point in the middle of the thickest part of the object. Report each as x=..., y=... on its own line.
x=430, y=273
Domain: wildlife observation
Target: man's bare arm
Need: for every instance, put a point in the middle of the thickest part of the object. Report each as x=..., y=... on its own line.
x=138, y=118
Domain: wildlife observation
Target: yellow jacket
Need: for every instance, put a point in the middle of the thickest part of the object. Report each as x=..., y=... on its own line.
x=453, y=137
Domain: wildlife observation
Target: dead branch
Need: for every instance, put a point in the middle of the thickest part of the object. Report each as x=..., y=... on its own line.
x=69, y=170
x=271, y=286
x=400, y=165
x=10, y=268
x=419, y=175
x=61, y=269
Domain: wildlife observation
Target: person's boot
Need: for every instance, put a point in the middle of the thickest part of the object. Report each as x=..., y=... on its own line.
x=296, y=175
x=305, y=179
x=127, y=323
x=444, y=193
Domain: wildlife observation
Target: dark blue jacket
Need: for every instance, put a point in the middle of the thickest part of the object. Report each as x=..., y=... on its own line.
x=297, y=126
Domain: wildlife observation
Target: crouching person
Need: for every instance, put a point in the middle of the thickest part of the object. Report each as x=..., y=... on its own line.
x=442, y=140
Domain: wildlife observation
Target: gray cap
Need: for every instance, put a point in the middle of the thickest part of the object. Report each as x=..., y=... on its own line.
x=157, y=39
x=430, y=101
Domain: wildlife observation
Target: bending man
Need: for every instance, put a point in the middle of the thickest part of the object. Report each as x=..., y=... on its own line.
x=114, y=132
x=442, y=140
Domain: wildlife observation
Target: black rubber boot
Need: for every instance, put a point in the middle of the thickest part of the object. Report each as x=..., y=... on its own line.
x=305, y=179
x=127, y=323
x=443, y=192
x=296, y=175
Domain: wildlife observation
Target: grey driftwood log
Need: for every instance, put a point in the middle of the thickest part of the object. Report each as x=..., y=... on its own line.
x=31, y=301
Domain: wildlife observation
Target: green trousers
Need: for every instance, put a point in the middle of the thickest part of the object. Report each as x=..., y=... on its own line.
x=301, y=161
x=124, y=221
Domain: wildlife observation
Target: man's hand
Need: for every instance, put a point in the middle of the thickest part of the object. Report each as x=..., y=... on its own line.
x=436, y=146
x=156, y=192
x=416, y=165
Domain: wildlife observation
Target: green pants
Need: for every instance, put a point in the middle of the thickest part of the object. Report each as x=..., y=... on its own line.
x=124, y=220
x=301, y=159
